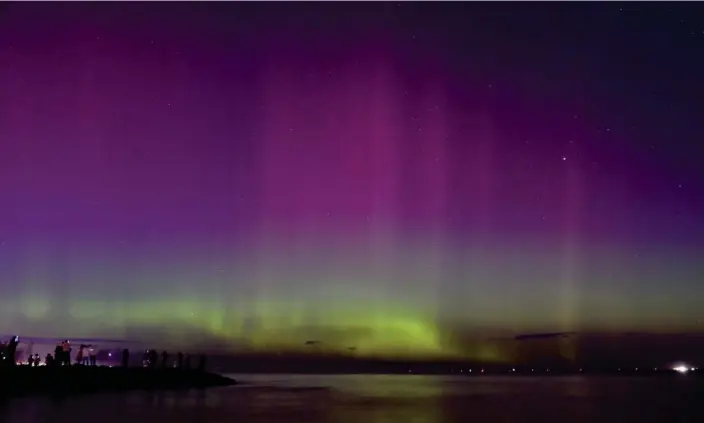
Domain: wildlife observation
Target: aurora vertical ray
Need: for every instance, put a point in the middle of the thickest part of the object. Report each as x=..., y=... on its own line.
x=372, y=181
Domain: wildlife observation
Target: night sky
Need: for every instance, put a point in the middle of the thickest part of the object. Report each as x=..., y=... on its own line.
x=403, y=178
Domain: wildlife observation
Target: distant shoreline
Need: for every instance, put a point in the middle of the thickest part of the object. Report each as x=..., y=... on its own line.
x=332, y=365
x=664, y=374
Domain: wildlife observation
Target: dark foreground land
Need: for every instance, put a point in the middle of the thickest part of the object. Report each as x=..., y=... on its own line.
x=25, y=380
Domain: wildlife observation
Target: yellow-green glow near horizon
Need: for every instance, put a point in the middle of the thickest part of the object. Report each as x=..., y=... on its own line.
x=279, y=326
x=400, y=306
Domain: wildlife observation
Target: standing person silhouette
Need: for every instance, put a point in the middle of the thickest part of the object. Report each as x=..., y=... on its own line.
x=80, y=355
x=92, y=355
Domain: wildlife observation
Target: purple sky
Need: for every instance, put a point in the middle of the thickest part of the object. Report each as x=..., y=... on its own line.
x=514, y=170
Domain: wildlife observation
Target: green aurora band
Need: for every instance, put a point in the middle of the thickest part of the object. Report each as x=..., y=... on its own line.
x=346, y=302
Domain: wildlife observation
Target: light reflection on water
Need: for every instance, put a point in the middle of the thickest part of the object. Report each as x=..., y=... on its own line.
x=384, y=399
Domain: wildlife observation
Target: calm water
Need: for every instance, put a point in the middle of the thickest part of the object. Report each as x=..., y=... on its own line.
x=386, y=399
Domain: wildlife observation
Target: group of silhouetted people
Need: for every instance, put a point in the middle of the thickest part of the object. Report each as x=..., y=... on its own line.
x=34, y=360
x=87, y=356
x=62, y=354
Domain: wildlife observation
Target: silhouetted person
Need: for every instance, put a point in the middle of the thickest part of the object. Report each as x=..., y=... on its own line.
x=58, y=355
x=201, y=363
x=164, y=359
x=92, y=355
x=66, y=353
x=85, y=359
x=179, y=360
x=79, y=354
x=125, y=357
x=12, y=350
x=153, y=358
x=49, y=360
x=37, y=360
x=187, y=362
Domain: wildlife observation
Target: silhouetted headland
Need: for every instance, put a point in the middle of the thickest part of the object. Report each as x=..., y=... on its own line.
x=71, y=380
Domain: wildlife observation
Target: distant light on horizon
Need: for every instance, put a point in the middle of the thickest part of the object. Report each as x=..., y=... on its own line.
x=682, y=369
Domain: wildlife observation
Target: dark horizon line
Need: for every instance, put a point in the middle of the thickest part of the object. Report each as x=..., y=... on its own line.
x=290, y=365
